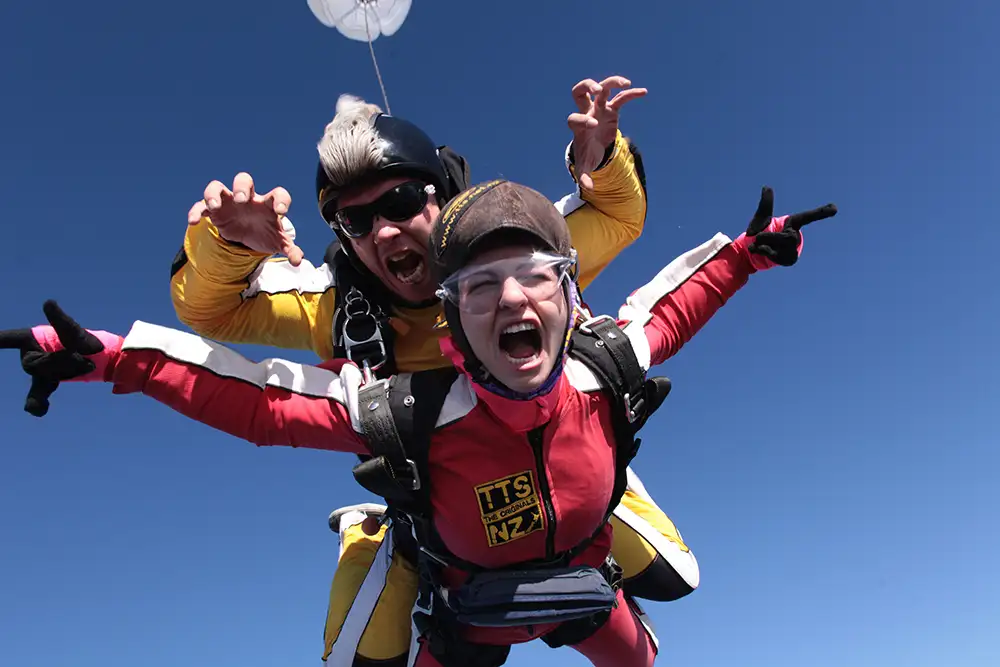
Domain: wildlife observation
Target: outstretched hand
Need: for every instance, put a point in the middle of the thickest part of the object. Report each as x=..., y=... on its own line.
x=243, y=216
x=48, y=369
x=595, y=125
x=780, y=239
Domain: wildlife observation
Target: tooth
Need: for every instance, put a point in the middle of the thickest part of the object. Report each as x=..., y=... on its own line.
x=520, y=326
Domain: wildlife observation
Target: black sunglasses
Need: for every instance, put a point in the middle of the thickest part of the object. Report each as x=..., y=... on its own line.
x=399, y=204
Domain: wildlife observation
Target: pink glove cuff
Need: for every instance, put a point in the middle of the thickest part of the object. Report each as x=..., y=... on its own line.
x=48, y=340
x=760, y=262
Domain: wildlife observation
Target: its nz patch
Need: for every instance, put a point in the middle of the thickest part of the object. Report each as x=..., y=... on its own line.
x=510, y=508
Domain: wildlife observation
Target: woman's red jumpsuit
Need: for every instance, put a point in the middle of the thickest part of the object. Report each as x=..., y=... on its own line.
x=510, y=481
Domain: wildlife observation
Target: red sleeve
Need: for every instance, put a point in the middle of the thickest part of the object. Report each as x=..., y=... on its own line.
x=273, y=402
x=684, y=296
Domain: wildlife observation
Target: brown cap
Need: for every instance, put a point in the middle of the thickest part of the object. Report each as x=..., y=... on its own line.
x=487, y=208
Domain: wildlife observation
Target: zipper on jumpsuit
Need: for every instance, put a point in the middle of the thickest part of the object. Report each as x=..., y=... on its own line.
x=536, y=439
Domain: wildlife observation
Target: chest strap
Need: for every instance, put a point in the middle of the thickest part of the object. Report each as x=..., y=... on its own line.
x=361, y=329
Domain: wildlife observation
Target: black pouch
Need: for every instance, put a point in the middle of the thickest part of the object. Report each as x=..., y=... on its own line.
x=531, y=597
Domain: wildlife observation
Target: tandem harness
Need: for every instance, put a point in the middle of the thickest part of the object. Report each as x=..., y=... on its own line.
x=361, y=329
x=362, y=332
x=398, y=416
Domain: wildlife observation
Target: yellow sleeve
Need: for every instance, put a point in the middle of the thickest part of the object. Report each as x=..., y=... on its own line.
x=606, y=220
x=232, y=294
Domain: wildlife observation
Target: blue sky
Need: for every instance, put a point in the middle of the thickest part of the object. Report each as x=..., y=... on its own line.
x=827, y=451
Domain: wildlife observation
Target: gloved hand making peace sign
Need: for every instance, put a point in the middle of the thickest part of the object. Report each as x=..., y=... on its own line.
x=774, y=241
x=61, y=352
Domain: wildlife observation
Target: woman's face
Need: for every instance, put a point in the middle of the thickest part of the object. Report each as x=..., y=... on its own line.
x=514, y=313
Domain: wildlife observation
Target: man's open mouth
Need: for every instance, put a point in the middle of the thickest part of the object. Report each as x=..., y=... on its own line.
x=521, y=343
x=407, y=265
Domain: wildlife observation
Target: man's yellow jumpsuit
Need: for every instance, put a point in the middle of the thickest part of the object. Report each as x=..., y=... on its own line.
x=233, y=294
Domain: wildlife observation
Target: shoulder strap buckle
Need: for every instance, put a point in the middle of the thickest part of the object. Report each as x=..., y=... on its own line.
x=377, y=420
x=369, y=346
x=411, y=482
x=625, y=374
x=397, y=415
x=634, y=407
x=587, y=327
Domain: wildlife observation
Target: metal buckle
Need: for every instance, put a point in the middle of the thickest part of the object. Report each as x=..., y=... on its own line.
x=368, y=387
x=613, y=573
x=585, y=327
x=632, y=411
x=414, y=475
x=365, y=360
x=356, y=307
x=433, y=556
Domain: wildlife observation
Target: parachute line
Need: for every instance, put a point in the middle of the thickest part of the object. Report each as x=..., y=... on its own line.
x=378, y=74
x=381, y=17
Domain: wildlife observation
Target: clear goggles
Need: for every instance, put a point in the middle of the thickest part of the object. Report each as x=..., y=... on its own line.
x=477, y=289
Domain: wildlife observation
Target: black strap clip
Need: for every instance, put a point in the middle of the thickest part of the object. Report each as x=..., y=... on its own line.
x=366, y=346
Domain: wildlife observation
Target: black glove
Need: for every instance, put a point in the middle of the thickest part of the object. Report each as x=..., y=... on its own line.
x=48, y=369
x=781, y=247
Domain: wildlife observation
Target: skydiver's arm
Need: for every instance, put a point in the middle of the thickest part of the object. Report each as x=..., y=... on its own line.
x=683, y=297
x=273, y=402
x=229, y=292
x=606, y=220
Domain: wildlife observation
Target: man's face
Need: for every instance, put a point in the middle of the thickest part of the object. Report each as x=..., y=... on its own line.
x=396, y=252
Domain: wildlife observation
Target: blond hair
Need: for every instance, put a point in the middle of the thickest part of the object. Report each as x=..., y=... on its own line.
x=350, y=146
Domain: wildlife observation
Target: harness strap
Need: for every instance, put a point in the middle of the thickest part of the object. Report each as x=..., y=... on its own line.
x=398, y=426
x=624, y=376
x=398, y=417
x=361, y=329
x=606, y=350
x=389, y=472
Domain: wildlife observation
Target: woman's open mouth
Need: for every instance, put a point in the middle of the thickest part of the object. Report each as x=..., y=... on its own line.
x=521, y=343
x=407, y=266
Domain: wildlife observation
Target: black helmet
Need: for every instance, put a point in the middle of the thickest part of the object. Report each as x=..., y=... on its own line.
x=406, y=150
x=498, y=210
x=498, y=207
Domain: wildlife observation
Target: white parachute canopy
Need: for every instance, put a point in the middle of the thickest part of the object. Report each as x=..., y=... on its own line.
x=363, y=20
